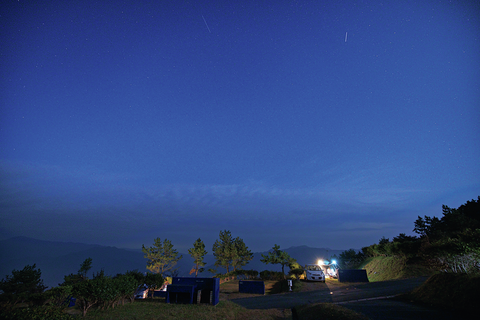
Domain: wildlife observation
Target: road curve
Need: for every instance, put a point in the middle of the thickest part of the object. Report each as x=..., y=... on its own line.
x=332, y=294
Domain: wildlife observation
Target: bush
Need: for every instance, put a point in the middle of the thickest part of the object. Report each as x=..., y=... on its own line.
x=296, y=273
x=272, y=275
x=58, y=296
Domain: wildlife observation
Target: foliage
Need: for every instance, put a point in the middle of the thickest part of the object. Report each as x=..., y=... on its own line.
x=106, y=292
x=296, y=273
x=71, y=279
x=27, y=280
x=427, y=226
x=403, y=246
x=457, y=255
x=452, y=243
x=242, y=255
x=247, y=274
x=153, y=281
x=198, y=253
x=277, y=256
x=81, y=274
x=237, y=274
x=84, y=267
x=454, y=221
x=23, y=285
x=229, y=252
x=272, y=275
x=161, y=257
x=59, y=296
x=127, y=285
x=349, y=259
x=88, y=293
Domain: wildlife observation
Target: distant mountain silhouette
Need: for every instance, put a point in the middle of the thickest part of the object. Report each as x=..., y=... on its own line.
x=57, y=259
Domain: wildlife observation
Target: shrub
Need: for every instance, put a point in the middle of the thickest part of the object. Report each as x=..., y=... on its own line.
x=272, y=275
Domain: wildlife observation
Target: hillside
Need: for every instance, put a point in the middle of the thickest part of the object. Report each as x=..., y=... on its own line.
x=449, y=291
x=392, y=268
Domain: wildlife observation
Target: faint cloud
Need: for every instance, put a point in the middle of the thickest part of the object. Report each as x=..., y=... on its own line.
x=365, y=225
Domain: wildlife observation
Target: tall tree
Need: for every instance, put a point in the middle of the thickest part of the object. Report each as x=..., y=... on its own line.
x=198, y=252
x=277, y=256
x=84, y=267
x=230, y=252
x=242, y=255
x=161, y=257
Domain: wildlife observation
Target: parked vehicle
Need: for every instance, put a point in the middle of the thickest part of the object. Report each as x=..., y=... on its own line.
x=142, y=292
x=313, y=272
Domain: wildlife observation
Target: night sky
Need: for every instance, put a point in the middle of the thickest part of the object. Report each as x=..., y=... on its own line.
x=319, y=123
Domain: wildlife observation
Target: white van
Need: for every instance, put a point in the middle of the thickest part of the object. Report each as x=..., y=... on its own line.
x=313, y=272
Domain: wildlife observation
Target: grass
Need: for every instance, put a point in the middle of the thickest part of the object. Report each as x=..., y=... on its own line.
x=392, y=268
x=157, y=309
x=451, y=291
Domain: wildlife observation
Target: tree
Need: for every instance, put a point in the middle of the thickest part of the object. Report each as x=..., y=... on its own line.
x=277, y=256
x=427, y=226
x=198, y=252
x=242, y=255
x=81, y=275
x=350, y=258
x=153, y=281
x=453, y=222
x=223, y=250
x=25, y=281
x=383, y=245
x=84, y=267
x=295, y=270
x=230, y=252
x=161, y=256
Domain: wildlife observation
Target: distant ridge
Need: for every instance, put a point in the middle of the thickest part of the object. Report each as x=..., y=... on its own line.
x=57, y=259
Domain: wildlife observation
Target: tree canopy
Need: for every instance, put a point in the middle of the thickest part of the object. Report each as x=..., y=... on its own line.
x=25, y=281
x=161, y=256
x=230, y=252
x=198, y=252
x=450, y=243
x=453, y=222
x=277, y=256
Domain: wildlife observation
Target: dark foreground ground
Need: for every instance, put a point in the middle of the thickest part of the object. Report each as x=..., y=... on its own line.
x=377, y=300
x=398, y=309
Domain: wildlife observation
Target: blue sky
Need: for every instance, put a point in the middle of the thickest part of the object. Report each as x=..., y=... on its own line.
x=328, y=124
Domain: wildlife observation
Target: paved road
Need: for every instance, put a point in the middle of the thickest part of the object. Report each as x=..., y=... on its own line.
x=376, y=300
x=332, y=294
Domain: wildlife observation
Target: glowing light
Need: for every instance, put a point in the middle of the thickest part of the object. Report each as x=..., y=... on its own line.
x=320, y=262
x=334, y=261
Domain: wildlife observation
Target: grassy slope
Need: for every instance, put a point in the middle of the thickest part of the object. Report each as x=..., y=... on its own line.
x=451, y=291
x=391, y=268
